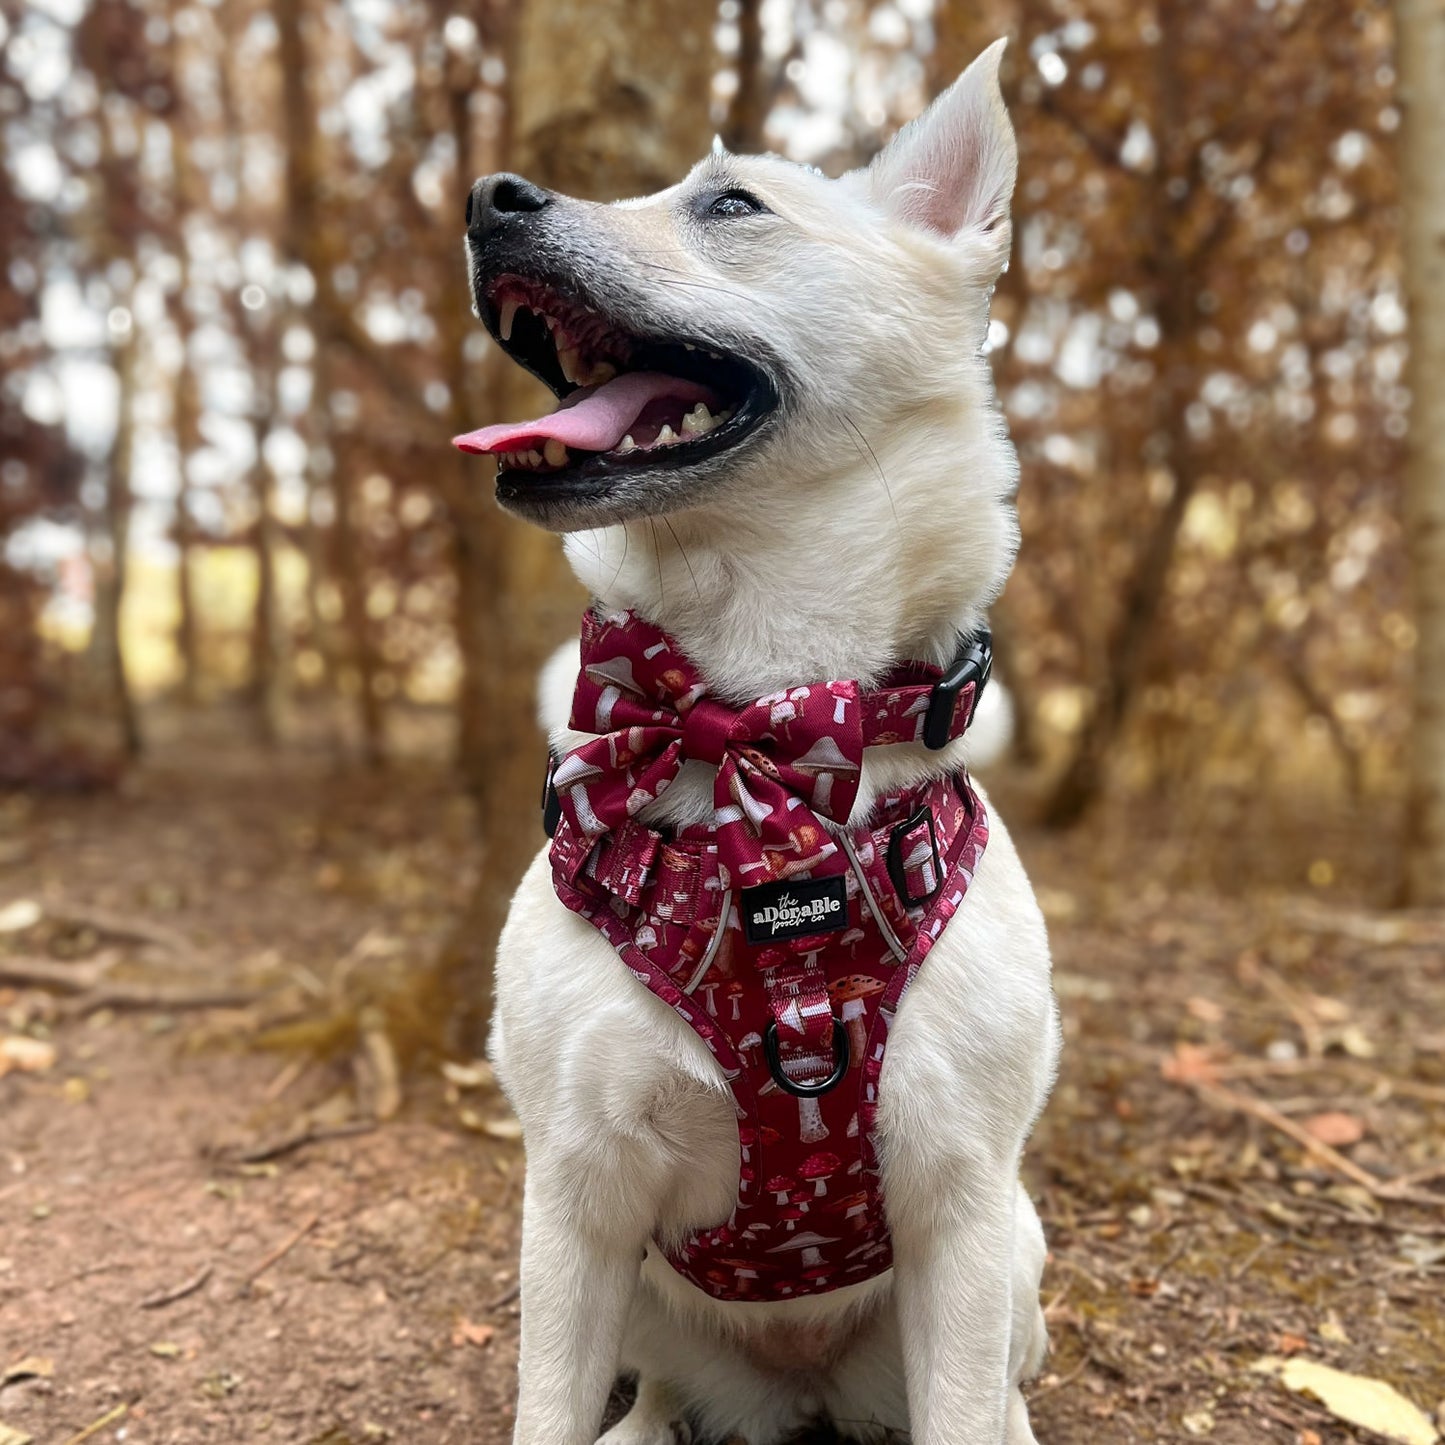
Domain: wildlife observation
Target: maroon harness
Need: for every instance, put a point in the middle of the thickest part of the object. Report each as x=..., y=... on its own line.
x=786, y=944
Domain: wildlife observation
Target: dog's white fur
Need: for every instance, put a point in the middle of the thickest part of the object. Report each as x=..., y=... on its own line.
x=838, y=548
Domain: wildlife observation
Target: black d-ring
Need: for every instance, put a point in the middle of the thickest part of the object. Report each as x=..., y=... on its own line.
x=841, y=1052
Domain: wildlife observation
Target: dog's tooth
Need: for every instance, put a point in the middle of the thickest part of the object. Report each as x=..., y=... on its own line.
x=697, y=421
x=568, y=360
x=555, y=452
x=508, y=314
x=627, y=444
x=665, y=436
x=601, y=372
x=688, y=346
x=716, y=356
x=534, y=459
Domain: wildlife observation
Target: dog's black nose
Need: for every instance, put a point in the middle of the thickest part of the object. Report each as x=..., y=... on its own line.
x=496, y=199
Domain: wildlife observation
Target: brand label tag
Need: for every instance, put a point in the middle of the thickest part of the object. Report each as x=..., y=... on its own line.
x=795, y=908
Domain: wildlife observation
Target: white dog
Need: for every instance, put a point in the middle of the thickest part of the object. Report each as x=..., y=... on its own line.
x=781, y=446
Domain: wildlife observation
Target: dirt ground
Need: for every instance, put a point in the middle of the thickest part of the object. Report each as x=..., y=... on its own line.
x=277, y=1219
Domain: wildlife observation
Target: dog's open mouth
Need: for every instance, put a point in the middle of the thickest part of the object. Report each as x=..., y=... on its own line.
x=628, y=402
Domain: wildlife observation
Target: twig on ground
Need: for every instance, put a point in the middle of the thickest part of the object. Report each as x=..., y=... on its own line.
x=281, y=1250
x=274, y=1148
x=1397, y=1190
x=506, y=1298
x=1247, y=1263
x=170, y=1296
x=22, y=971
x=1062, y=1383
x=91, y=989
x=141, y=998
x=290, y=1072
x=122, y=925
x=96, y=1426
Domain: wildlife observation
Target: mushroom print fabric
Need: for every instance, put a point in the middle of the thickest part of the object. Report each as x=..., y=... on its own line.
x=802, y=1008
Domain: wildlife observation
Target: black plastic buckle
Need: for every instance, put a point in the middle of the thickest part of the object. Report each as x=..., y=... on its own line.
x=551, y=803
x=972, y=663
x=895, y=856
x=842, y=1054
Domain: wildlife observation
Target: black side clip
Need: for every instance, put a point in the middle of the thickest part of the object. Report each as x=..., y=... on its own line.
x=551, y=803
x=972, y=663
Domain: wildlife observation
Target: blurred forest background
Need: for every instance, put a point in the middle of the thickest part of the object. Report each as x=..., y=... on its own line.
x=235, y=341
x=268, y=763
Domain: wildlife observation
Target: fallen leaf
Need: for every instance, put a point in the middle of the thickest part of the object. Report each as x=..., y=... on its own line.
x=16, y=917
x=1190, y=1064
x=1288, y=1344
x=1206, y=1011
x=32, y=1367
x=1198, y=1422
x=1357, y=1399
x=29, y=1056
x=1356, y=1043
x=469, y=1076
x=465, y=1332
x=13, y=1437
x=497, y=1128
x=166, y=1350
x=1335, y=1128
x=1333, y=1330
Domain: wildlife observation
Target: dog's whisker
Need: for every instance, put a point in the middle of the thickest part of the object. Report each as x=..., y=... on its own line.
x=686, y=561
x=626, y=543
x=657, y=557
x=877, y=467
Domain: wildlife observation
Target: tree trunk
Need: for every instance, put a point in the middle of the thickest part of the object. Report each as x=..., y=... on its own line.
x=1420, y=47
x=1176, y=265
x=186, y=421
x=110, y=591
x=757, y=84
x=599, y=108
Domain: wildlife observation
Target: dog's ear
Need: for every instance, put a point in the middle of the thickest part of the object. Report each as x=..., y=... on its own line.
x=952, y=170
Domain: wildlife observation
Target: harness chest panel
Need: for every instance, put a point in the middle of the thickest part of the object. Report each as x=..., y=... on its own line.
x=792, y=984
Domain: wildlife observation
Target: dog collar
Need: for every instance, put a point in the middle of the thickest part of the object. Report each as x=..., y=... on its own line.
x=784, y=762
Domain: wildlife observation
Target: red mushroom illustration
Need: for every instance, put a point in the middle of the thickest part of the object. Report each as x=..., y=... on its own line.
x=811, y=1246
x=811, y=1128
x=780, y=1186
x=747, y=1138
x=735, y=992
x=850, y=992
x=744, y=1272
x=819, y=1168
x=707, y=990
x=792, y=1214
x=855, y=1209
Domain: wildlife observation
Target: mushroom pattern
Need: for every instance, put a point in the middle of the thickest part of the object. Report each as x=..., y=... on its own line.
x=810, y=1244
x=851, y=993
x=811, y=1128
x=855, y=1209
x=735, y=992
x=748, y=1047
x=707, y=988
x=780, y=1186
x=819, y=1168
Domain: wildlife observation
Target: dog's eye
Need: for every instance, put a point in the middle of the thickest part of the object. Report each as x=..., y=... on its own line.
x=735, y=203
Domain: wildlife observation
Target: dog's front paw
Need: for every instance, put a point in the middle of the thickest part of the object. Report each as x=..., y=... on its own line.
x=632, y=1430
x=654, y=1419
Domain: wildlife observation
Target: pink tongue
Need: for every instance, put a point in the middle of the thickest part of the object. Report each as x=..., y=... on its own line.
x=594, y=418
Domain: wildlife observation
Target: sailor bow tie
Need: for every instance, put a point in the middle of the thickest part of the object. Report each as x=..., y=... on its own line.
x=784, y=761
